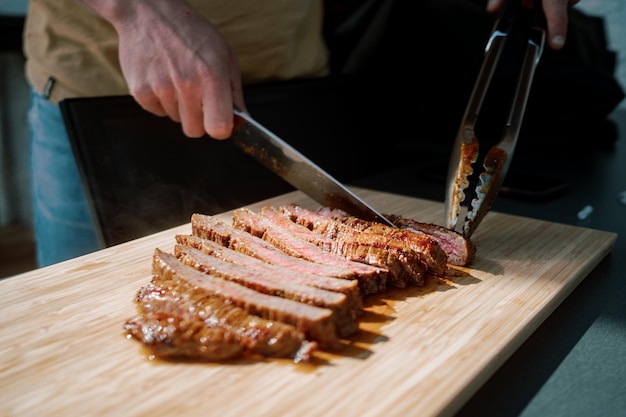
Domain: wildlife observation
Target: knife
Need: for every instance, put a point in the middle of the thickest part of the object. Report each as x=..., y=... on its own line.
x=299, y=171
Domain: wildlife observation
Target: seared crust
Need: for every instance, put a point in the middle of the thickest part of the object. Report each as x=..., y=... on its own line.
x=171, y=336
x=177, y=320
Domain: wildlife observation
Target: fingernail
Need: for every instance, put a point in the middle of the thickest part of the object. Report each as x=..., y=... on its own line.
x=558, y=41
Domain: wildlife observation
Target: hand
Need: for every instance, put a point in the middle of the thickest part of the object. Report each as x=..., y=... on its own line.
x=176, y=63
x=556, y=17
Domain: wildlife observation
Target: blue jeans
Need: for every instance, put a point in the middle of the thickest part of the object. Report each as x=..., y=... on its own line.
x=62, y=220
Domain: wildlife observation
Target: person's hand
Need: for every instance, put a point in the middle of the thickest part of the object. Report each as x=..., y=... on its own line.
x=176, y=63
x=556, y=17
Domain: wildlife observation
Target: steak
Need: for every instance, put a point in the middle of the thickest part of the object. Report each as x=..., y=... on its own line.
x=348, y=287
x=459, y=248
x=371, y=279
x=210, y=228
x=269, y=282
x=402, y=262
x=315, y=322
x=281, y=282
x=186, y=322
x=427, y=248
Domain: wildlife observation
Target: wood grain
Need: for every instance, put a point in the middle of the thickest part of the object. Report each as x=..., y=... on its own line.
x=420, y=351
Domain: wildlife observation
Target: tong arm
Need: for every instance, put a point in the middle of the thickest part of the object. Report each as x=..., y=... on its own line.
x=465, y=150
x=466, y=147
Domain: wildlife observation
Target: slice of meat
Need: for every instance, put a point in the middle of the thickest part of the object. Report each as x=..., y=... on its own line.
x=403, y=263
x=269, y=282
x=348, y=287
x=211, y=228
x=175, y=337
x=371, y=279
x=428, y=248
x=459, y=248
x=194, y=324
x=315, y=322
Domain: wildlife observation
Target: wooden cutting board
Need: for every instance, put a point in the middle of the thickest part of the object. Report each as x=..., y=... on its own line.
x=421, y=351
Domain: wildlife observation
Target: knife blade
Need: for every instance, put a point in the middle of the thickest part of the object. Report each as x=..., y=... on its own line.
x=298, y=170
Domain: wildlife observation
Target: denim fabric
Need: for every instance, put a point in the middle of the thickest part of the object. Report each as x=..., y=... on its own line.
x=62, y=221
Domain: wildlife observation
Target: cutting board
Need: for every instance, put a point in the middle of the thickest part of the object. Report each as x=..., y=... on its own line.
x=420, y=351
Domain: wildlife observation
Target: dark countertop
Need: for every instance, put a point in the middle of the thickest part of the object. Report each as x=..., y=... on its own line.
x=575, y=363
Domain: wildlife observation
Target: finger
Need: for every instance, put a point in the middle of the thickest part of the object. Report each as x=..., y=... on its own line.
x=556, y=17
x=218, y=119
x=191, y=117
x=217, y=106
x=494, y=5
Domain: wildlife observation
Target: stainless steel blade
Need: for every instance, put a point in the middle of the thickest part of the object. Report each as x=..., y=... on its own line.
x=292, y=166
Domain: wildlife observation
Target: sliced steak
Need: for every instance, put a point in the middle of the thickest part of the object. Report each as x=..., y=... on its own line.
x=211, y=228
x=269, y=282
x=194, y=324
x=315, y=322
x=428, y=248
x=459, y=248
x=371, y=279
x=404, y=264
x=307, y=259
x=348, y=287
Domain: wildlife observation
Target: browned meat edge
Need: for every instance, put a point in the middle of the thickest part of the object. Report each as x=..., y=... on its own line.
x=404, y=264
x=348, y=287
x=272, y=283
x=315, y=322
x=459, y=248
x=371, y=279
x=179, y=321
x=428, y=248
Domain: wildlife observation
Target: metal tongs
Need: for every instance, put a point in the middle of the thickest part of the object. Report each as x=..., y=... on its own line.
x=466, y=146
